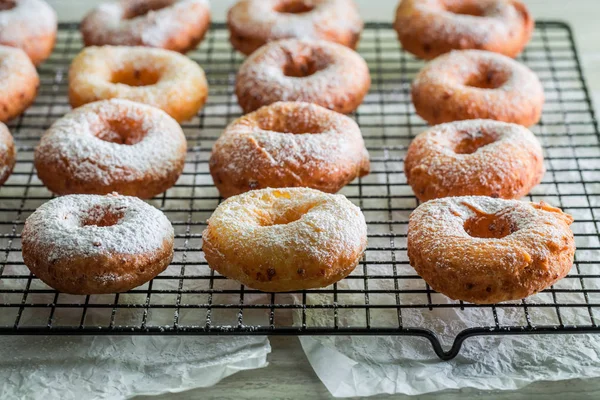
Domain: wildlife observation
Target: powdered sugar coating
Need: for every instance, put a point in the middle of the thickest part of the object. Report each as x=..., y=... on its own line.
x=73, y=146
x=29, y=18
x=109, y=22
x=19, y=82
x=508, y=164
x=259, y=19
x=252, y=153
x=340, y=81
x=441, y=91
x=285, y=236
x=58, y=229
x=432, y=27
x=535, y=250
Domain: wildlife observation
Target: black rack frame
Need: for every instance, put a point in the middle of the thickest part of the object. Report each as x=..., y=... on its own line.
x=568, y=131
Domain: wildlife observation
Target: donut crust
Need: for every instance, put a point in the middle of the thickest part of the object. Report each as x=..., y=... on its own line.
x=476, y=84
x=7, y=153
x=19, y=83
x=474, y=158
x=253, y=23
x=319, y=72
x=429, y=28
x=280, y=240
x=288, y=145
x=485, y=250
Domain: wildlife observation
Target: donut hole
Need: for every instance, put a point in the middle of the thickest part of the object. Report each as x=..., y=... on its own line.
x=470, y=145
x=487, y=78
x=294, y=7
x=140, y=8
x=102, y=217
x=465, y=8
x=295, y=125
x=126, y=132
x=489, y=226
x=6, y=5
x=301, y=67
x=135, y=77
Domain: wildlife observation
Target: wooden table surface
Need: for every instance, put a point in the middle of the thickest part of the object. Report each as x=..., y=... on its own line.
x=289, y=375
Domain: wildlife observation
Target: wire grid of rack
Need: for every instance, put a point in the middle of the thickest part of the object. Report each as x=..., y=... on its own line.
x=188, y=298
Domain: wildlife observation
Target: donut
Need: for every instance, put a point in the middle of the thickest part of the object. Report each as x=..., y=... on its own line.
x=177, y=25
x=19, y=82
x=314, y=71
x=252, y=23
x=286, y=145
x=472, y=84
x=279, y=240
x=112, y=146
x=160, y=78
x=428, y=28
x=485, y=250
x=476, y=157
x=29, y=25
x=7, y=153
x=90, y=244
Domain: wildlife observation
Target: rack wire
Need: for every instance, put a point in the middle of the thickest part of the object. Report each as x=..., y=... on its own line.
x=384, y=295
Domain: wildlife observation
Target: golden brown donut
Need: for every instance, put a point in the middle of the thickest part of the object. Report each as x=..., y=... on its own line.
x=320, y=72
x=484, y=250
x=280, y=240
x=177, y=25
x=89, y=244
x=475, y=157
x=252, y=23
x=472, y=84
x=287, y=145
x=112, y=146
x=19, y=82
x=7, y=153
x=428, y=28
x=158, y=77
x=29, y=25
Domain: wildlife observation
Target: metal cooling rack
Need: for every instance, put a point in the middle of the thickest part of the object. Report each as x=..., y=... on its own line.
x=188, y=298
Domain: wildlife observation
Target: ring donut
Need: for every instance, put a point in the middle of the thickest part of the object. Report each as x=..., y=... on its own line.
x=112, y=146
x=88, y=244
x=476, y=157
x=279, y=240
x=428, y=28
x=252, y=23
x=158, y=77
x=484, y=250
x=19, y=82
x=319, y=72
x=29, y=25
x=7, y=153
x=476, y=84
x=287, y=145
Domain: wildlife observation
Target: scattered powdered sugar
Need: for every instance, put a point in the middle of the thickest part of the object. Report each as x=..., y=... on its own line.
x=259, y=19
x=330, y=226
x=58, y=228
x=340, y=74
x=510, y=152
x=72, y=142
x=107, y=24
x=28, y=18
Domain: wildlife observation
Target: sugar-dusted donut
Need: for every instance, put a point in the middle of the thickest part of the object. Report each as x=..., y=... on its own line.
x=475, y=157
x=472, y=84
x=29, y=25
x=7, y=153
x=19, y=82
x=177, y=25
x=286, y=145
x=112, y=146
x=252, y=23
x=486, y=250
x=158, y=77
x=89, y=244
x=281, y=240
x=320, y=72
x=428, y=28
